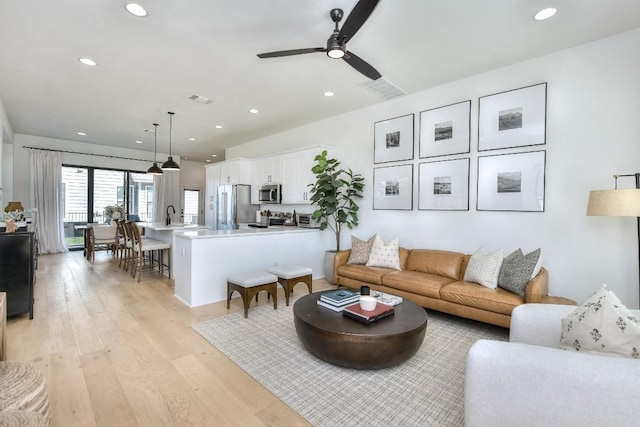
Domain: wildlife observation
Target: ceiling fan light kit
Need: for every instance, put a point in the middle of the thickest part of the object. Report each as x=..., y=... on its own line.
x=155, y=169
x=337, y=42
x=170, y=164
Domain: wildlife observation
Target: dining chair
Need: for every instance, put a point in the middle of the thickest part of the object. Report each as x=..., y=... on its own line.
x=143, y=249
x=102, y=237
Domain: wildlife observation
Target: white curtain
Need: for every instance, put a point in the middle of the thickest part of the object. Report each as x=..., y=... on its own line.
x=166, y=191
x=45, y=182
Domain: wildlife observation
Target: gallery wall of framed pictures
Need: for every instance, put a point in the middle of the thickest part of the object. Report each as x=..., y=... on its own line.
x=510, y=181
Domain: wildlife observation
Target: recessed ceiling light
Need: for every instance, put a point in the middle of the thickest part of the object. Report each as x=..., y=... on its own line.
x=185, y=158
x=545, y=14
x=253, y=111
x=88, y=61
x=136, y=9
x=214, y=155
x=138, y=142
x=208, y=161
x=329, y=93
x=218, y=127
x=81, y=133
x=192, y=139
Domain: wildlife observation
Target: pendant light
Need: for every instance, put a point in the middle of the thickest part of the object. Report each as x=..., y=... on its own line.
x=155, y=170
x=170, y=165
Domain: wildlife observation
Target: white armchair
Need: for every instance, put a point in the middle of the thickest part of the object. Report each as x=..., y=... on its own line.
x=530, y=381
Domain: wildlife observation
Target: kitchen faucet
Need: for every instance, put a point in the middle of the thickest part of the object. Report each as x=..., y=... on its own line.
x=168, y=219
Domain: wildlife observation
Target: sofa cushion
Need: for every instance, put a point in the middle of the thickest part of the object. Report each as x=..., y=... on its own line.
x=602, y=325
x=474, y=295
x=484, y=267
x=384, y=254
x=360, y=250
x=517, y=270
x=416, y=282
x=441, y=263
x=363, y=273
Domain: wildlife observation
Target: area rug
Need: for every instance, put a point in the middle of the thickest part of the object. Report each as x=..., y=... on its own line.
x=426, y=390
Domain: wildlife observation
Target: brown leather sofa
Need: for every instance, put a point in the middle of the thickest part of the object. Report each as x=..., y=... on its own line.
x=434, y=279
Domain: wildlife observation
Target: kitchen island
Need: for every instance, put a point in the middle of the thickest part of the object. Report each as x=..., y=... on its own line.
x=161, y=231
x=204, y=258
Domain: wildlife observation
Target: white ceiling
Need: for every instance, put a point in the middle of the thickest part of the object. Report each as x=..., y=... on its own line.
x=148, y=66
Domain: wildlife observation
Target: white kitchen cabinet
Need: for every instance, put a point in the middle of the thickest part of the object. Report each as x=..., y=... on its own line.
x=297, y=176
x=237, y=171
x=212, y=176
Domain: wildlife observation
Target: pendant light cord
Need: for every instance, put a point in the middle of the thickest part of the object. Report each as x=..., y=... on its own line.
x=155, y=142
x=170, y=131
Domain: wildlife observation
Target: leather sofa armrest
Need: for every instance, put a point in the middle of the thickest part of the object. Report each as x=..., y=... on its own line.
x=340, y=258
x=514, y=384
x=537, y=287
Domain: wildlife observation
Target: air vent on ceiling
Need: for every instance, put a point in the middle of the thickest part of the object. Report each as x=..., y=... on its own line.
x=383, y=88
x=200, y=99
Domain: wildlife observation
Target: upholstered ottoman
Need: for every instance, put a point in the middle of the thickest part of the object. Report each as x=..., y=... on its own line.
x=291, y=275
x=248, y=284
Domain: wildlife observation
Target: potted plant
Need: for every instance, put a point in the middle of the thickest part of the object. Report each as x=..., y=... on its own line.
x=333, y=196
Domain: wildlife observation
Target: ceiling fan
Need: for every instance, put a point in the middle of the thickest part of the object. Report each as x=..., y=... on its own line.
x=337, y=42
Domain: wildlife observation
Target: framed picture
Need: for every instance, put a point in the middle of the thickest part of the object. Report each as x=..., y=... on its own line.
x=516, y=118
x=393, y=139
x=445, y=130
x=512, y=182
x=444, y=185
x=393, y=187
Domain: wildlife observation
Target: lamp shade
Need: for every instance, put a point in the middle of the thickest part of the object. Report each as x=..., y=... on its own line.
x=614, y=203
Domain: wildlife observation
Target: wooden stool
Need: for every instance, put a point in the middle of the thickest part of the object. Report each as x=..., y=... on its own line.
x=249, y=284
x=291, y=275
x=23, y=389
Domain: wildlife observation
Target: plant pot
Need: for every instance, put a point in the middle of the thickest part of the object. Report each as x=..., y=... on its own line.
x=329, y=262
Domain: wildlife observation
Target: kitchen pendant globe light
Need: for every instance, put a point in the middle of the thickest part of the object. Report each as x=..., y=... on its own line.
x=170, y=164
x=155, y=169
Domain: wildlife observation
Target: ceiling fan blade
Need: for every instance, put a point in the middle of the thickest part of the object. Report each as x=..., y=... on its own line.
x=361, y=65
x=356, y=18
x=291, y=52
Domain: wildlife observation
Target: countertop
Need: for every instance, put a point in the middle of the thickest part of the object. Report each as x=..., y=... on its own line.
x=212, y=234
x=160, y=226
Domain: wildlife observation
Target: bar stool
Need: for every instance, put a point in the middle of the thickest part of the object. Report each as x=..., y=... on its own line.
x=291, y=275
x=142, y=245
x=248, y=284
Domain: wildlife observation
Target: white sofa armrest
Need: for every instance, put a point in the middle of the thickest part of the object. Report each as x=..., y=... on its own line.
x=538, y=324
x=516, y=384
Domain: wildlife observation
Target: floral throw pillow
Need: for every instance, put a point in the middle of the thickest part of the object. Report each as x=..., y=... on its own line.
x=360, y=250
x=484, y=267
x=603, y=325
x=384, y=254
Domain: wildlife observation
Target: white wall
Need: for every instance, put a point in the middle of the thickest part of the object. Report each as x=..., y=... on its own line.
x=593, y=131
x=6, y=139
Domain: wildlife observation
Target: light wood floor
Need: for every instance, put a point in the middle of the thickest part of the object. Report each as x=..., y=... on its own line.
x=120, y=353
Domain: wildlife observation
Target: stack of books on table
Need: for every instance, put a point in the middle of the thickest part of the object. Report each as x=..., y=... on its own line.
x=381, y=311
x=338, y=300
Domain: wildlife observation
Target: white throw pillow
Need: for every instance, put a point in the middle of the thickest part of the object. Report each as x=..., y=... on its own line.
x=603, y=325
x=384, y=255
x=484, y=268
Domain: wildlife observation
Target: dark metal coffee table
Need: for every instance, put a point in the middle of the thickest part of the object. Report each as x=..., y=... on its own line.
x=342, y=341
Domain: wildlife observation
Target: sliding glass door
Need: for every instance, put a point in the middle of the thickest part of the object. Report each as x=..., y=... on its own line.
x=92, y=195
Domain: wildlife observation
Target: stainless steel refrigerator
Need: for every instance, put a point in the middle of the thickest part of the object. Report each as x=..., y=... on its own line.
x=234, y=206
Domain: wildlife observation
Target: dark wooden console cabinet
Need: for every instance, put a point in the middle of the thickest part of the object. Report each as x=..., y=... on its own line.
x=17, y=275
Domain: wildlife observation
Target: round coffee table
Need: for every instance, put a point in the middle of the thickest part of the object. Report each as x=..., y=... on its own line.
x=346, y=342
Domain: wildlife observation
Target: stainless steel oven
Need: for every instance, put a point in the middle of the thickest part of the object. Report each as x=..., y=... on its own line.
x=307, y=221
x=270, y=193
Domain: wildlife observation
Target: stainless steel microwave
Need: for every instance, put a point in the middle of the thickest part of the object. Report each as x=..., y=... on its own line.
x=270, y=193
x=306, y=220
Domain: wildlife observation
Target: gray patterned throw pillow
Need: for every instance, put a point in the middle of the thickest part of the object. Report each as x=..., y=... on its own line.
x=360, y=250
x=516, y=271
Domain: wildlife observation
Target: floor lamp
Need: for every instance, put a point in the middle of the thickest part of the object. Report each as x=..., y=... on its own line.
x=617, y=203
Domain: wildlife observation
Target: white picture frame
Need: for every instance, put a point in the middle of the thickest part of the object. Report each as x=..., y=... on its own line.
x=516, y=118
x=393, y=188
x=445, y=130
x=393, y=139
x=444, y=185
x=512, y=182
